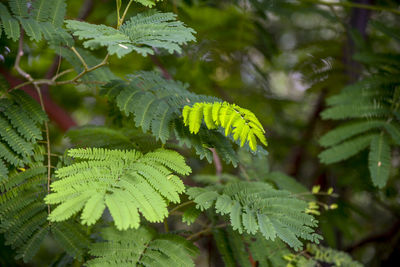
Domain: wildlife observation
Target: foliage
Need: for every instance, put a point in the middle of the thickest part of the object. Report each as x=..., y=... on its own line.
x=141, y=33
x=141, y=247
x=257, y=207
x=245, y=124
x=156, y=105
x=371, y=104
x=123, y=181
x=93, y=148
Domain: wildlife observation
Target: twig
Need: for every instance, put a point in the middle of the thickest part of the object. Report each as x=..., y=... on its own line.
x=85, y=71
x=184, y=204
x=166, y=227
x=61, y=74
x=124, y=14
x=20, y=53
x=164, y=71
x=80, y=58
x=204, y=231
x=217, y=162
x=30, y=79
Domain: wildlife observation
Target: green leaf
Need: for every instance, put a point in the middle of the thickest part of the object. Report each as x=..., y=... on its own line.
x=244, y=123
x=126, y=182
x=57, y=12
x=344, y=132
x=148, y=3
x=141, y=33
x=141, y=247
x=379, y=160
x=394, y=131
x=255, y=207
x=19, y=7
x=10, y=25
x=346, y=149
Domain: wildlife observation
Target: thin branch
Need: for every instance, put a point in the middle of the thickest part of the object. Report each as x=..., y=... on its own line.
x=85, y=71
x=46, y=126
x=30, y=79
x=217, y=162
x=80, y=58
x=123, y=16
x=20, y=53
x=164, y=71
x=205, y=231
x=166, y=227
x=184, y=204
x=62, y=74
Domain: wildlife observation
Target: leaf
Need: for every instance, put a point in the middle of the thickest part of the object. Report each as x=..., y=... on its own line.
x=126, y=182
x=19, y=7
x=141, y=247
x=346, y=149
x=141, y=33
x=41, y=10
x=379, y=160
x=148, y=3
x=255, y=207
x=394, y=131
x=344, y=132
x=244, y=123
x=10, y=25
x=57, y=12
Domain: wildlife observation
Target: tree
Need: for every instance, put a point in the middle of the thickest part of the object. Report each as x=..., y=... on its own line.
x=132, y=181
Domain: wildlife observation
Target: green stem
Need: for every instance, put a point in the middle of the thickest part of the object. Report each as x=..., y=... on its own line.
x=166, y=227
x=121, y=20
x=80, y=58
x=181, y=206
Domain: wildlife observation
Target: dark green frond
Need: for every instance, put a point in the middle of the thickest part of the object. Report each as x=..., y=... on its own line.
x=256, y=207
x=141, y=247
x=140, y=34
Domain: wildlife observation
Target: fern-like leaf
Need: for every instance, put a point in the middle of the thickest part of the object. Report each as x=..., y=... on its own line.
x=240, y=122
x=257, y=207
x=140, y=34
x=148, y=3
x=124, y=181
x=141, y=247
x=379, y=160
x=157, y=103
x=10, y=24
x=19, y=7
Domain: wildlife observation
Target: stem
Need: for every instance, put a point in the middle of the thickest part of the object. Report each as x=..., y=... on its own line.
x=217, y=162
x=120, y=21
x=62, y=74
x=166, y=228
x=30, y=79
x=181, y=206
x=353, y=5
x=118, y=17
x=46, y=126
x=204, y=231
x=104, y=62
x=19, y=55
x=80, y=57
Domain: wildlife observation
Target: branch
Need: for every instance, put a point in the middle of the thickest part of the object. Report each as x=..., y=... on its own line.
x=205, y=231
x=217, y=162
x=158, y=63
x=29, y=78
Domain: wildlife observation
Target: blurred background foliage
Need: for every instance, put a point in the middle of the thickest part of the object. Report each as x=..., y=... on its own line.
x=280, y=59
